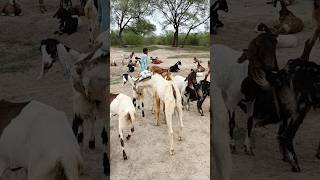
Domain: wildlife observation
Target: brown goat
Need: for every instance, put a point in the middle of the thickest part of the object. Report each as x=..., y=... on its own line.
x=165, y=73
x=200, y=68
x=156, y=60
x=288, y=23
x=11, y=8
x=196, y=60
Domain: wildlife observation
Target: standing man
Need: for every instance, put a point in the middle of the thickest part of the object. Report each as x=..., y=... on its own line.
x=104, y=14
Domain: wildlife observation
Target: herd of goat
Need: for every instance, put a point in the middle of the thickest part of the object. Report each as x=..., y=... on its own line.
x=38, y=138
x=252, y=81
x=174, y=92
x=69, y=16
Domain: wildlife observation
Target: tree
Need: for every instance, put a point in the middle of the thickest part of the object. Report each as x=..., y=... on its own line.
x=179, y=13
x=199, y=17
x=142, y=27
x=124, y=12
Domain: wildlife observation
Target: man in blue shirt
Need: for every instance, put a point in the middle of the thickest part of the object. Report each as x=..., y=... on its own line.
x=144, y=62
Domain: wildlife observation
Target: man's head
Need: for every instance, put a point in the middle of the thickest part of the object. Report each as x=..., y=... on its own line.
x=145, y=50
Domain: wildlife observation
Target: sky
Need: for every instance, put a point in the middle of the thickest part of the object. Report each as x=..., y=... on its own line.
x=157, y=18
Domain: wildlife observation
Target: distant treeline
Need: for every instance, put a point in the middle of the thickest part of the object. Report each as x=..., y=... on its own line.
x=131, y=38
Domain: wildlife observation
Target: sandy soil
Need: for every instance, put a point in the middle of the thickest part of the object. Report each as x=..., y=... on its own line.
x=20, y=39
x=267, y=164
x=148, y=149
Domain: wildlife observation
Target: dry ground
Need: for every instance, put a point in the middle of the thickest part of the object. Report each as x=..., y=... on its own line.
x=239, y=23
x=20, y=63
x=148, y=148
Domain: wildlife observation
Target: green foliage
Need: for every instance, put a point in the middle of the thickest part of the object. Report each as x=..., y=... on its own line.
x=142, y=27
x=131, y=38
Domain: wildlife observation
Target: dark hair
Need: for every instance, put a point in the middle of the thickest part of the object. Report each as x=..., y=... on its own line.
x=145, y=50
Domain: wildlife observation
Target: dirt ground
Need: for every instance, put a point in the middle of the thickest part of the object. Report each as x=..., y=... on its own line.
x=243, y=16
x=20, y=64
x=148, y=148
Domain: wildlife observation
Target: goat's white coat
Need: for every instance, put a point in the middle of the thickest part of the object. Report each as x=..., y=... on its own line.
x=228, y=74
x=287, y=41
x=38, y=139
x=163, y=89
x=220, y=137
x=123, y=107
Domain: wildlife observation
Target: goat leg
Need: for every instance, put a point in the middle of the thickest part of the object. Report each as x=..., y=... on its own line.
x=199, y=105
x=281, y=144
x=248, y=145
x=318, y=152
x=232, y=125
x=219, y=24
x=42, y=7
x=288, y=136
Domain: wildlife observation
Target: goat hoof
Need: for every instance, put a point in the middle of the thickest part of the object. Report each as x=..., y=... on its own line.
x=296, y=169
x=233, y=148
x=106, y=165
x=80, y=137
x=142, y=113
x=128, y=137
x=171, y=151
x=104, y=136
x=132, y=129
x=124, y=155
x=92, y=145
x=138, y=107
x=248, y=151
x=202, y=114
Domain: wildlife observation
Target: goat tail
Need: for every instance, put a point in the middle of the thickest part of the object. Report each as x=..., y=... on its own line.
x=131, y=116
x=174, y=92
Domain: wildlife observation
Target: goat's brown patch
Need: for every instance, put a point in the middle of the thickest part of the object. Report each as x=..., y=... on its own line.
x=8, y=111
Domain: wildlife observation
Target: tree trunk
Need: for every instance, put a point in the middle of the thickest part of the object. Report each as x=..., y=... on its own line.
x=185, y=38
x=120, y=37
x=175, y=38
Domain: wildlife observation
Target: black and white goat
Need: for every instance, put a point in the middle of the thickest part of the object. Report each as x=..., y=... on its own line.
x=195, y=91
x=68, y=23
x=214, y=16
x=175, y=67
x=297, y=90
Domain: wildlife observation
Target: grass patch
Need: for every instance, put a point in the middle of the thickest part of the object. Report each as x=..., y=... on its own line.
x=138, y=48
x=13, y=61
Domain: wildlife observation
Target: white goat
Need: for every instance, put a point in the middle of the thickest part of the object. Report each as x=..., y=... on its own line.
x=228, y=75
x=123, y=107
x=168, y=93
x=181, y=83
x=138, y=98
x=38, y=138
x=220, y=137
